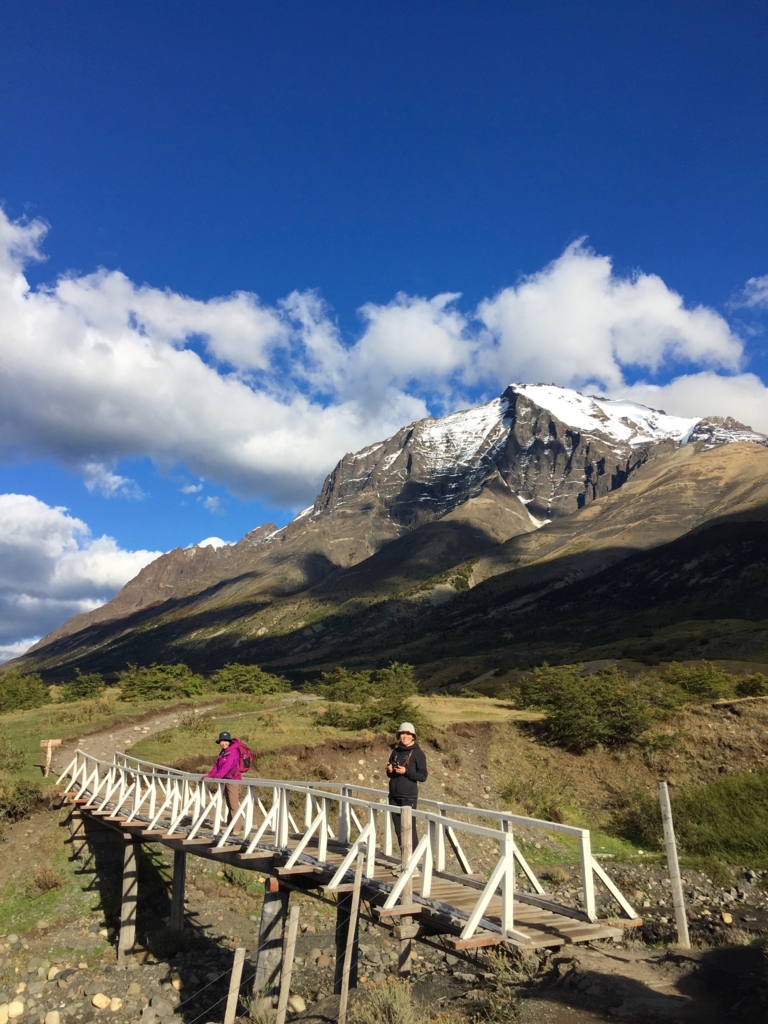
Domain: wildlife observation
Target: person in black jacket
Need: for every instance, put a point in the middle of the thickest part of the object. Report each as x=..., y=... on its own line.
x=406, y=768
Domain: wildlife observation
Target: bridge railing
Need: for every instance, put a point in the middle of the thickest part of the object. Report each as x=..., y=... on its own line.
x=298, y=820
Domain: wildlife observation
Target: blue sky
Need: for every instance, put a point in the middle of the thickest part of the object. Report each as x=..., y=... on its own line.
x=214, y=209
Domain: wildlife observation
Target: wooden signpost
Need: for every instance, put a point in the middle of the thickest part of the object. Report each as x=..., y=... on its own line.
x=48, y=745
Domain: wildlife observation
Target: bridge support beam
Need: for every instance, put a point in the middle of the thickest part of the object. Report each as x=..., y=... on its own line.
x=177, y=892
x=343, y=923
x=274, y=912
x=130, y=896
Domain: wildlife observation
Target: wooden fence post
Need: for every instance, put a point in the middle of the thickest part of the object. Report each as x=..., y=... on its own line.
x=286, y=970
x=234, y=985
x=354, y=913
x=681, y=921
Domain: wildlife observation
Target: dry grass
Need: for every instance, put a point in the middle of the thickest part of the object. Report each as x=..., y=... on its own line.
x=44, y=880
x=443, y=711
x=388, y=1003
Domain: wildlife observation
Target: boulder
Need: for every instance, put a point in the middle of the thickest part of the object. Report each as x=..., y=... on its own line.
x=162, y=1007
x=52, y=1017
x=134, y=990
x=15, y=1009
x=297, y=1004
x=115, y=1004
x=101, y=1001
x=3, y=1013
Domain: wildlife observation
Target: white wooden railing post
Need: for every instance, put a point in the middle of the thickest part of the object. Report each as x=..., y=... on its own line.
x=587, y=877
x=388, y=832
x=322, y=839
x=507, y=847
x=440, y=843
x=344, y=816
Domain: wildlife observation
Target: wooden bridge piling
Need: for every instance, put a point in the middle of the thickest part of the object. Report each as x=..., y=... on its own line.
x=178, y=889
x=127, y=937
x=271, y=939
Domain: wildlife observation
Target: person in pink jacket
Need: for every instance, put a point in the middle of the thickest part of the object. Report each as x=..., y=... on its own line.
x=227, y=766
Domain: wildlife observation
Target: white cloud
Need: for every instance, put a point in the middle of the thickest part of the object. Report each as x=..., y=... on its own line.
x=213, y=504
x=212, y=542
x=16, y=649
x=52, y=568
x=575, y=322
x=97, y=369
x=743, y=396
x=756, y=293
x=102, y=480
x=191, y=488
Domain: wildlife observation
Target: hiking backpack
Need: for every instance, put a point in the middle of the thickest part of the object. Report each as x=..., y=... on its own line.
x=245, y=757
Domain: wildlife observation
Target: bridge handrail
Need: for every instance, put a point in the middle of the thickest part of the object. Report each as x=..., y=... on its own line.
x=187, y=803
x=441, y=806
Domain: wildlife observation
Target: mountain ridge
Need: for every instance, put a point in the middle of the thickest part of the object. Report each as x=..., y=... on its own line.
x=485, y=485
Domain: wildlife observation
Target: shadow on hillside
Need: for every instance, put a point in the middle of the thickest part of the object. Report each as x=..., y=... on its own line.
x=573, y=604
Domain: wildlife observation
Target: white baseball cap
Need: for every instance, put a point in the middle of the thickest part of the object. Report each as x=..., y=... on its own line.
x=407, y=727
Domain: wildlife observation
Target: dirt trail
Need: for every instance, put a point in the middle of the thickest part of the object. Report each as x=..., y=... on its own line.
x=123, y=736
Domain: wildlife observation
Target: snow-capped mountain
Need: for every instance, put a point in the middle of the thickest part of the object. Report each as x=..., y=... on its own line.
x=436, y=493
x=555, y=448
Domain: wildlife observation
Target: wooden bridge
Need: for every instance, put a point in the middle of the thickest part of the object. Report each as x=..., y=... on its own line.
x=310, y=837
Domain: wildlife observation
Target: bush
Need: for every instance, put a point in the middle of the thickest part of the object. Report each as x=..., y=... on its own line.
x=389, y=1003
x=12, y=758
x=369, y=700
x=753, y=686
x=82, y=687
x=159, y=682
x=248, y=679
x=17, y=798
x=704, y=680
x=727, y=818
x=343, y=685
x=606, y=708
x=19, y=692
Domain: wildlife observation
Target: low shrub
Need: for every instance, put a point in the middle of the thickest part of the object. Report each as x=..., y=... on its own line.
x=606, y=708
x=753, y=686
x=159, y=682
x=702, y=680
x=726, y=818
x=612, y=709
x=12, y=758
x=249, y=679
x=82, y=687
x=17, y=798
x=44, y=880
x=19, y=692
x=369, y=700
x=388, y=1003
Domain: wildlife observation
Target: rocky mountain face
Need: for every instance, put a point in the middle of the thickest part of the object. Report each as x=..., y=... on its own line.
x=424, y=515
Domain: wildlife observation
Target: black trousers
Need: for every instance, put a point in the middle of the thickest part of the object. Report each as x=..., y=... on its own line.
x=404, y=801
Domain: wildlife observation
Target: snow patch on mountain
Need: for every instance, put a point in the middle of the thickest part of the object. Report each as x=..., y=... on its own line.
x=456, y=439
x=625, y=421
